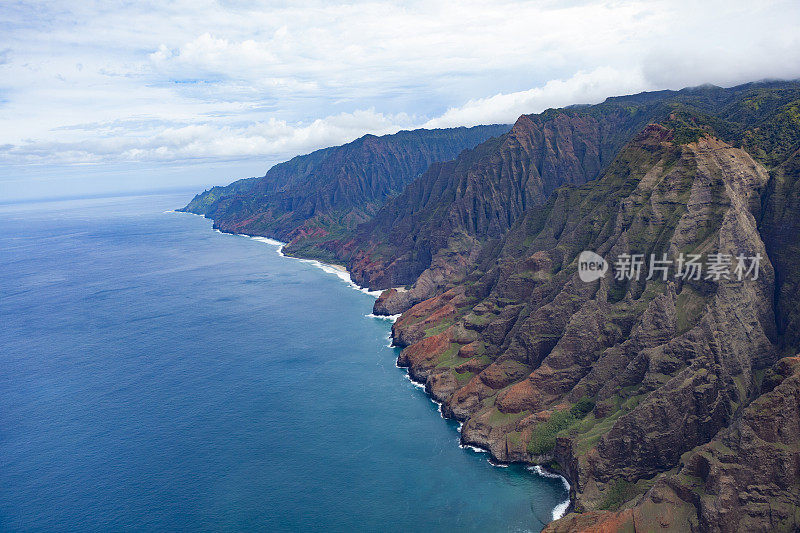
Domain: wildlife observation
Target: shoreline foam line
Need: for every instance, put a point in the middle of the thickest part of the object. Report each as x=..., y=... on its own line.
x=463, y=446
x=340, y=273
x=558, y=511
x=561, y=509
x=393, y=318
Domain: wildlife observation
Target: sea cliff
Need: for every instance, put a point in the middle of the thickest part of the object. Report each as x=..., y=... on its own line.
x=668, y=402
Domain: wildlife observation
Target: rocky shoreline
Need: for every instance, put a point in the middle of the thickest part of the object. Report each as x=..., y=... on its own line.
x=540, y=469
x=621, y=393
x=656, y=397
x=419, y=380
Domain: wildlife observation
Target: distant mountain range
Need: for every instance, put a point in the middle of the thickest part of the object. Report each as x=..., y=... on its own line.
x=321, y=196
x=670, y=402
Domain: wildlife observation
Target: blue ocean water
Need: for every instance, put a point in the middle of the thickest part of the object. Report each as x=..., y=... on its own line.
x=158, y=375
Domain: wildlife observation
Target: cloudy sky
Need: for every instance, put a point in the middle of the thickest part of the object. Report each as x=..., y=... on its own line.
x=119, y=96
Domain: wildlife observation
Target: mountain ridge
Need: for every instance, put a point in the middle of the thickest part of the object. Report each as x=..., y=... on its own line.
x=654, y=397
x=318, y=195
x=405, y=245
x=534, y=361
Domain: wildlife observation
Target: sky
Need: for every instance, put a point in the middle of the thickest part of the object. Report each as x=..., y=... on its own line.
x=106, y=97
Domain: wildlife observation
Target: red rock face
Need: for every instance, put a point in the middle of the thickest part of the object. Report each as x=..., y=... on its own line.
x=439, y=221
x=595, y=522
x=520, y=396
x=745, y=479
x=303, y=233
x=427, y=349
x=667, y=366
x=413, y=325
x=663, y=402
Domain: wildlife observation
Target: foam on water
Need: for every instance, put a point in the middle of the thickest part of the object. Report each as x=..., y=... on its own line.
x=560, y=509
x=344, y=276
x=391, y=340
x=393, y=318
x=341, y=273
x=267, y=240
x=416, y=384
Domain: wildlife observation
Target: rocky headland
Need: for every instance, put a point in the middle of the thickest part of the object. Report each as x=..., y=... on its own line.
x=669, y=403
x=315, y=198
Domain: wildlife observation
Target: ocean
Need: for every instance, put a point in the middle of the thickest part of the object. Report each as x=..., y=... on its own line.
x=158, y=375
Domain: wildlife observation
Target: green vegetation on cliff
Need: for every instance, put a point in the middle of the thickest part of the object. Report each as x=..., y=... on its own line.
x=670, y=365
x=667, y=402
x=315, y=198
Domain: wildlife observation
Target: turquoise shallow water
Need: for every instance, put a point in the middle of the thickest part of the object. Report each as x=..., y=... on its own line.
x=155, y=374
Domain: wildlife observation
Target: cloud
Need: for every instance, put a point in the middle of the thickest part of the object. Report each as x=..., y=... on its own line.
x=149, y=139
x=166, y=83
x=581, y=88
x=208, y=53
x=152, y=140
x=748, y=60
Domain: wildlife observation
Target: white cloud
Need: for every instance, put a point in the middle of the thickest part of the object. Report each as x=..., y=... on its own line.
x=103, y=82
x=152, y=140
x=582, y=88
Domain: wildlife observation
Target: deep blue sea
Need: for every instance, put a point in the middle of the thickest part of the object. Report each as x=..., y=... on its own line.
x=158, y=375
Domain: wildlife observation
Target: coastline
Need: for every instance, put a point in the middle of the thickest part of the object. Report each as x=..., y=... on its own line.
x=342, y=273
x=559, y=510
